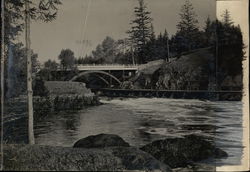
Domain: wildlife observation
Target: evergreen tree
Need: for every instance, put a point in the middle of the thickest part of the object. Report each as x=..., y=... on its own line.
x=226, y=18
x=166, y=45
x=140, y=32
x=150, y=52
x=207, y=24
x=208, y=31
x=188, y=25
x=152, y=36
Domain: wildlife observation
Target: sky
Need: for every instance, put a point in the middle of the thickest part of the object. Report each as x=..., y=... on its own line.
x=93, y=20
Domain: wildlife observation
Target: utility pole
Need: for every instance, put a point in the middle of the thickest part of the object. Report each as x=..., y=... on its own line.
x=133, y=56
x=167, y=50
x=29, y=76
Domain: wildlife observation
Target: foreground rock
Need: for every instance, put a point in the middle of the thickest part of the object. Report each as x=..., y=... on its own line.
x=100, y=141
x=46, y=158
x=196, y=167
x=179, y=152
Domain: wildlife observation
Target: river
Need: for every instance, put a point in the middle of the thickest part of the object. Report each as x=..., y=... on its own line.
x=143, y=120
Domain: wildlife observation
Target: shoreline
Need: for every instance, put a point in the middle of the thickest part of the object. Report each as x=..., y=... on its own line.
x=175, y=94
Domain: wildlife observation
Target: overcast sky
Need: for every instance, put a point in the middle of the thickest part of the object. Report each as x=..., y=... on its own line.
x=104, y=18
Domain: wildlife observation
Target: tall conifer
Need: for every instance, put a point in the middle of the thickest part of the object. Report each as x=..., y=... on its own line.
x=140, y=32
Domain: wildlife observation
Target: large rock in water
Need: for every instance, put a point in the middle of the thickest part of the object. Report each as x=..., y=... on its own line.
x=47, y=158
x=101, y=141
x=179, y=152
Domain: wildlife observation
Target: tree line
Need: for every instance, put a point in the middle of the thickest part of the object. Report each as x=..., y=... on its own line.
x=143, y=45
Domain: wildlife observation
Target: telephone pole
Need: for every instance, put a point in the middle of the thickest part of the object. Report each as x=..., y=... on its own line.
x=167, y=50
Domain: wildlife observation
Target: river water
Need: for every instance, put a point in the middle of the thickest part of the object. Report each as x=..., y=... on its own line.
x=143, y=120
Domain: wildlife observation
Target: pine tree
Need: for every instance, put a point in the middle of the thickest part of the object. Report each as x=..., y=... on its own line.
x=150, y=49
x=166, y=39
x=207, y=25
x=152, y=35
x=209, y=32
x=226, y=18
x=188, y=25
x=140, y=31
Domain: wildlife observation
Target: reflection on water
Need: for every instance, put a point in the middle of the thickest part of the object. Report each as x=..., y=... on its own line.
x=140, y=121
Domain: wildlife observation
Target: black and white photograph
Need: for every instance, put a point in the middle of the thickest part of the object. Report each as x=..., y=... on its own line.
x=124, y=85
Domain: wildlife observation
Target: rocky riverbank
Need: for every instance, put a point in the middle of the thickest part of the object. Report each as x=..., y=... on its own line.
x=106, y=152
x=189, y=71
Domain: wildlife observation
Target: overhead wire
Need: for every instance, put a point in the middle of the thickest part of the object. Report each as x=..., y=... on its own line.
x=81, y=30
x=84, y=44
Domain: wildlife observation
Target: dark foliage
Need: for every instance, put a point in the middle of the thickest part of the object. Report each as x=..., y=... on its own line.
x=67, y=59
x=179, y=152
x=15, y=69
x=39, y=88
x=15, y=58
x=42, y=10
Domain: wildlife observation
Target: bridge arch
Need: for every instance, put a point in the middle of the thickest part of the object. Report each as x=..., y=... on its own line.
x=96, y=72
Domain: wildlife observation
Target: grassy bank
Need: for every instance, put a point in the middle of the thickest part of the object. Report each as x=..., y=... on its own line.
x=45, y=105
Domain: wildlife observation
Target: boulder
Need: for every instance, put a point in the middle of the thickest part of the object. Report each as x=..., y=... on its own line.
x=100, y=141
x=135, y=159
x=48, y=158
x=196, y=167
x=179, y=152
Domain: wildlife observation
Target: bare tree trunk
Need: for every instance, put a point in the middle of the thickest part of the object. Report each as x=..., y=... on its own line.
x=29, y=76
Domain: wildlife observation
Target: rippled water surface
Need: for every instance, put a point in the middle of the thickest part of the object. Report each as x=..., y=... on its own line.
x=140, y=121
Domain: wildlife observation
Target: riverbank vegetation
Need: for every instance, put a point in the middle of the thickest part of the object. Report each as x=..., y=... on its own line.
x=111, y=153
x=54, y=96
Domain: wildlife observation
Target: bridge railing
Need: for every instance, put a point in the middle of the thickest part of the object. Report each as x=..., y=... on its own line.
x=102, y=66
x=106, y=65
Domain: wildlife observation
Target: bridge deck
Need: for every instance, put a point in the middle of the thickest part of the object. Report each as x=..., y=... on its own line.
x=107, y=67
